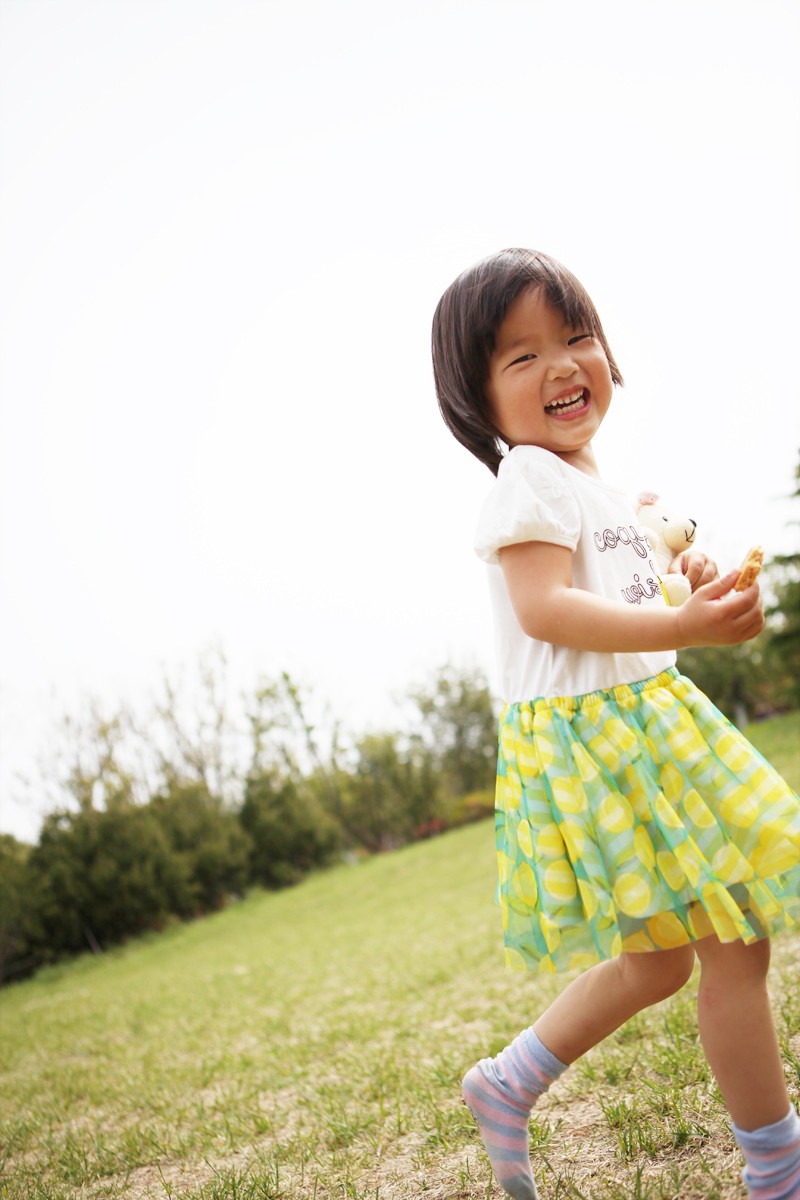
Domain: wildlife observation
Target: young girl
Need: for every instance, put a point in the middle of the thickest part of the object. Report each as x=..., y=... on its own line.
x=636, y=828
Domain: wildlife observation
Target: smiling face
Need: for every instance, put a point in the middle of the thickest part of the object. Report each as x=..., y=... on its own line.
x=549, y=383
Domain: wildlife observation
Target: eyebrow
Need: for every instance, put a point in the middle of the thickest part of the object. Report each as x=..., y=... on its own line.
x=511, y=347
x=520, y=341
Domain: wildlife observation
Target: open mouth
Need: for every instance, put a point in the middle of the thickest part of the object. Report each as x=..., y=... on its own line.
x=572, y=402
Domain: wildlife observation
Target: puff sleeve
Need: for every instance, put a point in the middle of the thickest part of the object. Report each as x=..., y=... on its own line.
x=531, y=501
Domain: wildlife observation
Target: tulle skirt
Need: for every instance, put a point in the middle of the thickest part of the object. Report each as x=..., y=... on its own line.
x=637, y=819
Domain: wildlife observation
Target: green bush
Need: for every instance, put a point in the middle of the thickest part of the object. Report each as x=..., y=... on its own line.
x=289, y=831
x=209, y=847
x=392, y=794
x=98, y=877
x=16, y=957
x=477, y=806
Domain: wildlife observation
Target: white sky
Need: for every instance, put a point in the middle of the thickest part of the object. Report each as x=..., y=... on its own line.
x=224, y=226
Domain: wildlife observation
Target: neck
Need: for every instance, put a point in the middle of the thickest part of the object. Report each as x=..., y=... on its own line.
x=583, y=460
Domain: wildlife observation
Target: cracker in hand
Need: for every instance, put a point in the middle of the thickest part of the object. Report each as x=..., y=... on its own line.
x=750, y=569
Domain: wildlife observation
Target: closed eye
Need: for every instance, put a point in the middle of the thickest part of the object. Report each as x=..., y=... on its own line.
x=579, y=338
x=523, y=358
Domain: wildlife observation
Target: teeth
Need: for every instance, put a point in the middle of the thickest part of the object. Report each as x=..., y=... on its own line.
x=566, y=402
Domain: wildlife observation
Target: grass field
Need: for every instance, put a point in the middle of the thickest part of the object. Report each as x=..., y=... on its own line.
x=309, y=1044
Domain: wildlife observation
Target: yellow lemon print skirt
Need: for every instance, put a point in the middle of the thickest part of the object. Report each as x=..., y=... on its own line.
x=637, y=819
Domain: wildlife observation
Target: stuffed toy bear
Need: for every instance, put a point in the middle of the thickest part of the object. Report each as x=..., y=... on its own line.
x=668, y=534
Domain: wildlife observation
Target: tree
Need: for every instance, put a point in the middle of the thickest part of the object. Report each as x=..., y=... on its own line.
x=289, y=831
x=194, y=734
x=732, y=676
x=15, y=894
x=290, y=744
x=93, y=759
x=783, y=617
x=757, y=677
x=391, y=792
x=99, y=876
x=209, y=845
x=458, y=727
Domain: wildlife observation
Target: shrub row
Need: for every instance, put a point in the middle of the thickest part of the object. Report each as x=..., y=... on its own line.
x=99, y=876
x=168, y=816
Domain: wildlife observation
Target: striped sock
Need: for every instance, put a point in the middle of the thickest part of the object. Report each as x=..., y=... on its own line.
x=773, y=1159
x=500, y=1093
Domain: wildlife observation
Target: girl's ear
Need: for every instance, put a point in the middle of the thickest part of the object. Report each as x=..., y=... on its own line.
x=647, y=498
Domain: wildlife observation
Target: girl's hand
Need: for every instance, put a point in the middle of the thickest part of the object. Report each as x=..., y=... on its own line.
x=715, y=615
x=698, y=568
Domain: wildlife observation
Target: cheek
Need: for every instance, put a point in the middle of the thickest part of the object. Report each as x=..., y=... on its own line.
x=505, y=410
x=491, y=404
x=602, y=375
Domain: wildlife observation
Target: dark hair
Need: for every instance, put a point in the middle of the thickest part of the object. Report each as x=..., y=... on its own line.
x=465, y=326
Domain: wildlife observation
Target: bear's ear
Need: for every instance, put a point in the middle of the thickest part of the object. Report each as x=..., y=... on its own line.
x=647, y=498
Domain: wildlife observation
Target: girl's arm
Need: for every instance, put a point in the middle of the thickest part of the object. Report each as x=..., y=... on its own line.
x=550, y=609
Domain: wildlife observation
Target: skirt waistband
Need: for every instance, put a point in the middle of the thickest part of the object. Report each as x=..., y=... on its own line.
x=622, y=693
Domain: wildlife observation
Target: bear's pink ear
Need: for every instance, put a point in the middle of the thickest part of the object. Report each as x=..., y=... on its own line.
x=647, y=498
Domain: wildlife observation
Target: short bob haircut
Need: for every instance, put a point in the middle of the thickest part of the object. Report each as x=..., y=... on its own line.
x=465, y=326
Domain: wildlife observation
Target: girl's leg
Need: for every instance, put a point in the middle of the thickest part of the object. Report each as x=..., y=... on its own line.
x=605, y=997
x=501, y=1091
x=737, y=1030
x=739, y=1038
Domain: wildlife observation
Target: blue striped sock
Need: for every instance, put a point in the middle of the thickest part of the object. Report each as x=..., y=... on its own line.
x=773, y=1159
x=500, y=1093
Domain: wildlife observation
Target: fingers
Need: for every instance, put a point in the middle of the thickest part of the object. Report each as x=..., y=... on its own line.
x=745, y=629
x=698, y=568
x=717, y=615
x=747, y=620
x=720, y=586
x=708, y=574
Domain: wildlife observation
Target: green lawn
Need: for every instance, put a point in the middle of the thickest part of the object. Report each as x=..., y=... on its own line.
x=310, y=1043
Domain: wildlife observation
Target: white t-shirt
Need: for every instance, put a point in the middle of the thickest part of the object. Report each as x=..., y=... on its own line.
x=539, y=498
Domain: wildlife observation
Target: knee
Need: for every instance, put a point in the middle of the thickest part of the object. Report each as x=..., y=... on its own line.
x=733, y=962
x=658, y=974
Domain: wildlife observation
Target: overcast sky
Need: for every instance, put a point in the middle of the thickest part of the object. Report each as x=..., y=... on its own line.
x=224, y=226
